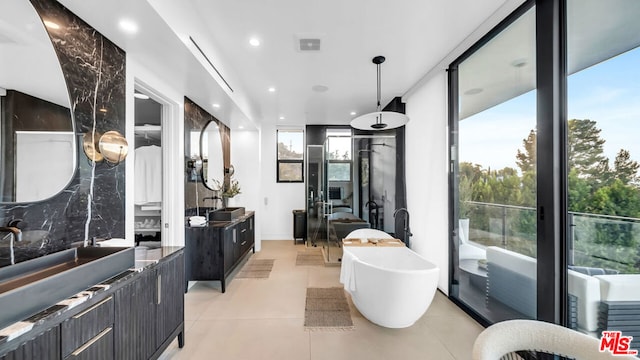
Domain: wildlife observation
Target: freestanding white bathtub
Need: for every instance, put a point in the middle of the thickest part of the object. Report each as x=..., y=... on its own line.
x=391, y=286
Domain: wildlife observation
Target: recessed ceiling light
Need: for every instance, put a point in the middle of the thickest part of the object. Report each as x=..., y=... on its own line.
x=272, y=89
x=240, y=127
x=216, y=106
x=519, y=63
x=51, y=25
x=128, y=26
x=352, y=113
x=254, y=42
x=319, y=88
x=141, y=96
x=473, y=91
x=281, y=117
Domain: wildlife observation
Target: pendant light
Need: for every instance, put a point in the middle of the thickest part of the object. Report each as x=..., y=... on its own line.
x=379, y=120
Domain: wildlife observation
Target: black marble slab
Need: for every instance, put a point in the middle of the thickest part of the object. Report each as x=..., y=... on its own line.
x=92, y=204
x=195, y=120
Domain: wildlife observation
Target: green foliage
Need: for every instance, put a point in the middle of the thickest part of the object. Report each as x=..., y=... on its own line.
x=593, y=189
x=585, y=151
x=626, y=170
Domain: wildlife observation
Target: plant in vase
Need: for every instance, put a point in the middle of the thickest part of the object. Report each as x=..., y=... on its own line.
x=228, y=192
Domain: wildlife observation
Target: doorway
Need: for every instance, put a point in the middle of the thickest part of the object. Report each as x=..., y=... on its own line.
x=148, y=170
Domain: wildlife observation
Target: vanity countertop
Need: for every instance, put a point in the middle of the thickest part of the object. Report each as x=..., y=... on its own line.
x=222, y=224
x=144, y=258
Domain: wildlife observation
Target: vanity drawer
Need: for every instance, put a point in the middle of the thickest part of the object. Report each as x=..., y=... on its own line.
x=98, y=348
x=83, y=327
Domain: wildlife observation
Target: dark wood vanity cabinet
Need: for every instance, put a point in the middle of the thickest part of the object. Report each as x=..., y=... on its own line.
x=43, y=346
x=150, y=311
x=213, y=252
x=89, y=333
x=136, y=319
x=135, y=334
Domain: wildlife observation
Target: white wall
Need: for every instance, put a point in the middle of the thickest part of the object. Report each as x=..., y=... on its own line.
x=246, y=160
x=277, y=200
x=427, y=173
x=172, y=143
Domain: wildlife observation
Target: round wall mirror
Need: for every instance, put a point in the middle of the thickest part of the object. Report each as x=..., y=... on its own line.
x=37, y=139
x=212, y=156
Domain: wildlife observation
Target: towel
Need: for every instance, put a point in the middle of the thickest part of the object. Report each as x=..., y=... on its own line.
x=347, y=271
x=148, y=175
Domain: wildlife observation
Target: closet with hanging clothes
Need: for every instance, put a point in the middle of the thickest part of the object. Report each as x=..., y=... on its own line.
x=148, y=172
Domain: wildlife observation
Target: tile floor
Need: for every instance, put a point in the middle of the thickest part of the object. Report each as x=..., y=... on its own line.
x=263, y=319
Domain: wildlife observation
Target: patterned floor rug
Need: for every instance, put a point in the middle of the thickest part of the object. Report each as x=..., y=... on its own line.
x=327, y=309
x=310, y=257
x=256, y=269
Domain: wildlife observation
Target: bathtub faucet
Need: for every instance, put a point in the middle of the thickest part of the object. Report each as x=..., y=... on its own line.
x=407, y=230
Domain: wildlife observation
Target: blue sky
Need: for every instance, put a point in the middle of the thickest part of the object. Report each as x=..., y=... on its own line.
x=608, y=92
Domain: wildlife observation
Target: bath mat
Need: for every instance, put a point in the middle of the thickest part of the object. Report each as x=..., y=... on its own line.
x=256, y=269
x=310, y=257
x=327, y=309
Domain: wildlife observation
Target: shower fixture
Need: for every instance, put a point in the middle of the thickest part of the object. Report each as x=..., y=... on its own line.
x=379, y=120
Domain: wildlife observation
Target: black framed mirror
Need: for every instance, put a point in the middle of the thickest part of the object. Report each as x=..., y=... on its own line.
x=37, y=137
x=211, y=151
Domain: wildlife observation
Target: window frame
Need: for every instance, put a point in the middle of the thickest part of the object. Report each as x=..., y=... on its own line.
x=551, y=170
x=290, y=161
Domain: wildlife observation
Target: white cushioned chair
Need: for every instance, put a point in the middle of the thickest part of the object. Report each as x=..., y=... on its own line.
x=504, y=338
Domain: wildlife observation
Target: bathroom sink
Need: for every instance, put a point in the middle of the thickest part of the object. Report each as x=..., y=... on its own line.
x=226, y=214
x=34, y=285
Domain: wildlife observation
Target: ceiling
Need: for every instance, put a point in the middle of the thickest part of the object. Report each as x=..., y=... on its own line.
x=414, y=36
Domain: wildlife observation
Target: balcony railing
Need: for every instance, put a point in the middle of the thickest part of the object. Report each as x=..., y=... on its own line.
x=594, y=240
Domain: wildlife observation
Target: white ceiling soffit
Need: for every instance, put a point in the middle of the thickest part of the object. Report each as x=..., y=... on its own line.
x=505, y=67
x=163, y=53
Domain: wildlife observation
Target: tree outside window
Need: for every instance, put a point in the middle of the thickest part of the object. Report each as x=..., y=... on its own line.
x=290, y=155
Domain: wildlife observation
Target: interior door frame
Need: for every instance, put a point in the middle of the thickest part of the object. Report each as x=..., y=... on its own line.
x=170, y=213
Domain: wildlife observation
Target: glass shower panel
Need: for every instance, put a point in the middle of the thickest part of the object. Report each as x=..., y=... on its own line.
x=376, y=179
x=339, y=197
x=316, y=224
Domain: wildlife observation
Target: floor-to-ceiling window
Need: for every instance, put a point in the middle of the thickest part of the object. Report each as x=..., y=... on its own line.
x=572, y=118
x=496, y=174
x=603, y=152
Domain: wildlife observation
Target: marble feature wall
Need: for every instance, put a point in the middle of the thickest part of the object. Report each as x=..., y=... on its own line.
x=195, y=120
x=93, y=202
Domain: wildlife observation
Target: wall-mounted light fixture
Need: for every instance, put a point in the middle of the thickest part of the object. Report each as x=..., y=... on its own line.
x=230, y=170
x=111, y=147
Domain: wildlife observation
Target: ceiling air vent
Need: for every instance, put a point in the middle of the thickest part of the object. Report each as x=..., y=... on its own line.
x=309, y=44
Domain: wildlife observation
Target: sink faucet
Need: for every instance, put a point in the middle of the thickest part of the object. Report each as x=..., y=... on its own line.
x=17, y=233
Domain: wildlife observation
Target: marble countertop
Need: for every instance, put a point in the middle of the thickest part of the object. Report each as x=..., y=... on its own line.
x=222, y=224
x=144, y=258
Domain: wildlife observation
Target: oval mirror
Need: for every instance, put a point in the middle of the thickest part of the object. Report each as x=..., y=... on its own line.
x=38, y=156
x=212, y=158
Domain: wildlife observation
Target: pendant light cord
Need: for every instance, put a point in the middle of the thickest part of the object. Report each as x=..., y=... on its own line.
x=378, y=70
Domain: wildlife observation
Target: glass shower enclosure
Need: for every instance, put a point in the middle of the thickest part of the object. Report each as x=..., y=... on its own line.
x=329, y=191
